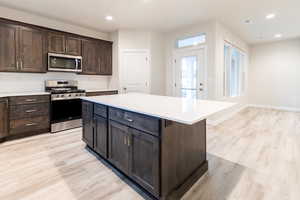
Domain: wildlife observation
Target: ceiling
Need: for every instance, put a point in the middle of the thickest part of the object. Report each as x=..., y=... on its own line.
x=167, y=15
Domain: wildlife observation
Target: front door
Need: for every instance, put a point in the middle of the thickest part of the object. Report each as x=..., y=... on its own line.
x=190, y=74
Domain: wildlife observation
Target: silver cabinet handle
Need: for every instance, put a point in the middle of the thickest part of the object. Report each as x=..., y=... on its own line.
x=30, y=100
x=30, y=111
x=128, y=119
x=31, y=124
x=125, y=140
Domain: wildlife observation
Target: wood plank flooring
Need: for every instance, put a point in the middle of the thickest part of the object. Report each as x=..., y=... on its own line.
x=253, y=156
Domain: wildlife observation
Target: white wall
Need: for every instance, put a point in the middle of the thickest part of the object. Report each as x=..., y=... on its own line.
x=274, y=74
x=152, y=41
x=20, y=82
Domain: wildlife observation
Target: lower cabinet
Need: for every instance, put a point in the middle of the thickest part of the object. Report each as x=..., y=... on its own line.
x=130, y=150
x=119, y=146
x=100, y=135
x=144, y=160
x=3, y=117
x=87, y=121
x=136, y=153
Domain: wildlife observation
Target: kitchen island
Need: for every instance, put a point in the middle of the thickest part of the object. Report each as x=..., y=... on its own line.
x=156, y=143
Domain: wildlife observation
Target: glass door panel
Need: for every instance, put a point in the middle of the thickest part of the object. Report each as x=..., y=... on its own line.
x=189, y=77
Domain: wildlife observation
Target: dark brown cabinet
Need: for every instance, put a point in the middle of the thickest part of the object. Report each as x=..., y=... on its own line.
x=64, y=44
x=8, y=47
x=105, y=60
x=90, y=64
x=21, y=49
x=56, y=43
x=100, y=136
x=97, y=57
x=29, y=115
x=73, y=46
x=119, y=139
x=3, y=117
x=88, y=124
x=144, y=160
x=32, y=50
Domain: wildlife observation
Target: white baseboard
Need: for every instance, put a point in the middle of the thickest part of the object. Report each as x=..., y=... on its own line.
x=226, y=116
x=275, y=107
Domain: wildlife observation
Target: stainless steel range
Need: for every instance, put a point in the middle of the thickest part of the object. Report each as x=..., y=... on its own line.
x=65, y=104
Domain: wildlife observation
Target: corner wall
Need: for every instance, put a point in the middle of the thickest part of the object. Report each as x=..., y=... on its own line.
x=274, y=75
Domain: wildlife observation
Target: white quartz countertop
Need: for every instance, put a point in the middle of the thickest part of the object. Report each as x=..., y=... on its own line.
x=100, y=90
x=13, y=94
x=182, y=110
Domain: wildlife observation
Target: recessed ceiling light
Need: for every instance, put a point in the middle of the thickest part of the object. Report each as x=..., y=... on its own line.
x=270, y=16
x=109, y=18
x=279, y=35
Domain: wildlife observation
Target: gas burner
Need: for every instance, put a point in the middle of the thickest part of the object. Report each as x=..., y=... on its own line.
x=64, y=90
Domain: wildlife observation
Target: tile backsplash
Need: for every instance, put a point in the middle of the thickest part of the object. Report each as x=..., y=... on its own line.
x=30, y=82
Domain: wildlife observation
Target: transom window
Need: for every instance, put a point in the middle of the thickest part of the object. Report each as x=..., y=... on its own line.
x=191, y=41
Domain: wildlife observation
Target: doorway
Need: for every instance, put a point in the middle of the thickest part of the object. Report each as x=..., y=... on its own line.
x=135, y=71
x=190, y=73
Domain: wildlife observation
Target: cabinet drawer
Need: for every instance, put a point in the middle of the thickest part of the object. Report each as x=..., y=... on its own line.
x=135, y=120
x=29, y=99
x=27, y=125
x=100, y=110
x=29, y=110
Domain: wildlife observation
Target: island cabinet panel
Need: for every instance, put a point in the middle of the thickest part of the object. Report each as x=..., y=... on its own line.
x=135, y=120
x=164, y=158
x=8, y=47
x=100, y=138
x=3, y=117
x=118, y=146
x=88, y=124
x=144, y=160
x=32, y=50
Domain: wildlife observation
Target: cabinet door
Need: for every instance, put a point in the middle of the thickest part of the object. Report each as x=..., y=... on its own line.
x=32, y=54
x=73, y=46
x=144, y=160
x=56, y=43
x=88, y=124
x=105, y=58
x=100, y=144
x=118, y=147
x=3, y=118
x=8, y=47
x=89, y=57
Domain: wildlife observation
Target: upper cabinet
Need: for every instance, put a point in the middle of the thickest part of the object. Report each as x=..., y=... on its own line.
x=24, y=48
x=97, y=57
x=8, y=47
x=105, y=52
x=90, y=57
x=64, y=44
x=32, y=53
x=21, y=49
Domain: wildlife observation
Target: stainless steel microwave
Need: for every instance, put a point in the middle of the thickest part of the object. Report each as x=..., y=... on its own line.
x=64, y=63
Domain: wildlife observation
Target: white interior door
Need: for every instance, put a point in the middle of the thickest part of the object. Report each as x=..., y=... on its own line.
x=135, y=71
x=190, y=74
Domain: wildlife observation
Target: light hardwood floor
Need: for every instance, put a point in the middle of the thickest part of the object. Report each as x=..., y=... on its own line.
x=253, y=156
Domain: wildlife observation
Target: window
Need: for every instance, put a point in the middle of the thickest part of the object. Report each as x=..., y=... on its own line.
x=191, y=41
x=234, y=71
